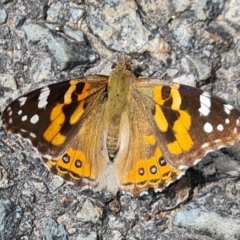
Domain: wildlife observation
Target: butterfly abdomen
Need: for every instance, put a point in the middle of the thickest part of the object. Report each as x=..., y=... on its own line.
x=112, y=141
x=116, y=105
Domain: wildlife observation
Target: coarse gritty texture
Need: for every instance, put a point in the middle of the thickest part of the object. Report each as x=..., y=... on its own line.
x=200, y=47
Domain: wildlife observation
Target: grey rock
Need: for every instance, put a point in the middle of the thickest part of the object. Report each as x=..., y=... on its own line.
x=233, y=12
x=65, y=53
x=128, y=39
x=204, y=71
x=3, y=16
x=89, y=212
x=42, y=69
x=5, y=182
x=198, y=7
x=185, y=65
x=38, y=185
x=109, y=26
x=114, y=234
x=54, y=11
x=10, y=217
x=186, y=79
x=28, y=194
x=184, y=35
x=116, y=223
x=171, y=72
x=201, y=220
x=75, y=34
x=182, y=5
x=20, y=20
x=90, y=236
x=56, y=183
x=75, y=14
x=51, y=230
x=214, y=9
x=7, y=80
x=202, y=9
x=5, y=1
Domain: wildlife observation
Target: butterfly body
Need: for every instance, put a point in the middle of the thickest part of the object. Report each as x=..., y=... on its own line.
x=149, y=131
x=116, y=106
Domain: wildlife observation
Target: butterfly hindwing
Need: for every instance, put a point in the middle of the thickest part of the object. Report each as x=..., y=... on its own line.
x=143, y=166
x=85, y=158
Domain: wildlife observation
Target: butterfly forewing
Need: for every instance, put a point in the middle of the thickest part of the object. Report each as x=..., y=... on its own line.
x=50, y=116
x=189, y=122
x=144, y=166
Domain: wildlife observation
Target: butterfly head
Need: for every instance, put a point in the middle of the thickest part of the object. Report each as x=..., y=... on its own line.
x=122, y=63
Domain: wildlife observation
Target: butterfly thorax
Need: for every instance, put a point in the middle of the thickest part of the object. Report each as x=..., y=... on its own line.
x=116, y=106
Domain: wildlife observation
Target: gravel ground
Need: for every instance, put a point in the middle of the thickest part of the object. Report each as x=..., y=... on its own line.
x=44, y=42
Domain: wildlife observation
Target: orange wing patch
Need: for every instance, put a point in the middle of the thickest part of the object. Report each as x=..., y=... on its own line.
x=57, y=117
x=73, y=166
x=179, y=121
x=153, y=172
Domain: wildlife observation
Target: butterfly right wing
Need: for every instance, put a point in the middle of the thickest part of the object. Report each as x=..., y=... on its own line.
x=170, y=128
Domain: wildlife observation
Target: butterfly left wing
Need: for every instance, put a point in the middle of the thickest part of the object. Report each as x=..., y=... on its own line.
x=63, y=122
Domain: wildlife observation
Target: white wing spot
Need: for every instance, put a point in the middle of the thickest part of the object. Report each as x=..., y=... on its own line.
x=208, y=151
x=221, y=146
x=197, y=161
x=237, y=122
x=179, y=176
x=235, y=130
x=10, y=113
x=22, y=101
x=220, y=127
x=182, y=167
x=227, y=121
x=23, y=130
x=9, y=108
x=205, y=100
x=33, y=135
x=43, y=97
x=153, y=169
x=34, y=119
x=205, y=145
x=228, y=108
x=19, y=112
x=208, y=128
x=24, y=118
x=10, y=120
x=47, y=156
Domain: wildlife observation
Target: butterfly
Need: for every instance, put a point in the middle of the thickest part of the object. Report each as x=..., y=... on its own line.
x=149, y=131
